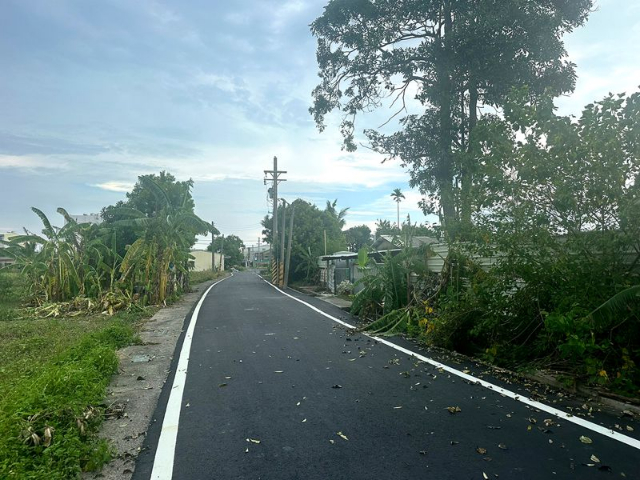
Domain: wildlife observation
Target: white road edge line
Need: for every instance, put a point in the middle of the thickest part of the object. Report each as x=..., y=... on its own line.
x=165, y=453
x=632, y=442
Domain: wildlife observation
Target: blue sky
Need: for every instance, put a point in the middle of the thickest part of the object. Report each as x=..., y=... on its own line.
x=93, y=94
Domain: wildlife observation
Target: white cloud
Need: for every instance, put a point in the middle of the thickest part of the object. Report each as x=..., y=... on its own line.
x=115, y=186
x=32, y=163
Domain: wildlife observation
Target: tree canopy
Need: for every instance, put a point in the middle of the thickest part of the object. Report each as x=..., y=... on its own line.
x=452, y=57
x=232, y=247
x=357, y=237
x=310, y=225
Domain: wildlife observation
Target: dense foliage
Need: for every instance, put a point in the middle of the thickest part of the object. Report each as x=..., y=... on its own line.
x=357, y=237
x=310, y=227
x=445, y=59
x=232, y=247
x=88, y=265
x=551, y=277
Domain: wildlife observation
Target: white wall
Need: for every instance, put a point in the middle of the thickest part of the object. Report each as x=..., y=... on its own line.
x=202, y=260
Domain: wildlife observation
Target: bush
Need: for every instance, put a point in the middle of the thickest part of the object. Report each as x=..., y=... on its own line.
x=345, y=288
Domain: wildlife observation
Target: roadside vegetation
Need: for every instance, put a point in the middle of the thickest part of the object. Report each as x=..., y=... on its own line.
x=563, y=292
x=553, y=201
x=75, y=295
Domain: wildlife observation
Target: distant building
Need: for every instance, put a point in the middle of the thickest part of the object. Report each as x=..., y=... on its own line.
x=202, y=261
x=257, y=256
x=87, y=218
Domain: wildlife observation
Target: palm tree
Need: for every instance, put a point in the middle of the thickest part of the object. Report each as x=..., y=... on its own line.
x=337, y=214
x=397, y=196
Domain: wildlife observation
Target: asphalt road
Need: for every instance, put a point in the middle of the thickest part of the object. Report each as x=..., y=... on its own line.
x=326, y=403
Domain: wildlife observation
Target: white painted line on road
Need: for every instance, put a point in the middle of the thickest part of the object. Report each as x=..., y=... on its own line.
x=632, y=442
x=310, y=306
x=165, y=453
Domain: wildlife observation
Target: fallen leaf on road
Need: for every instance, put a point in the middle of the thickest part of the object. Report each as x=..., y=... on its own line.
x=247, y=450
x=594, y=459
x=484, y=475
x=453, y=410
x=298, y=404
x=395, y=408
x=629, y=428
x=532, y=420
x=548, y=422
x=342, y=435
x=279, y=371
x=502, y=446
x=584, y=439
x=332, y=442
x=188, y=405
x=253, y=440
x=303, y=421
x=423, y=452
x=222, y=385
x=337, y=386
x=481, y=450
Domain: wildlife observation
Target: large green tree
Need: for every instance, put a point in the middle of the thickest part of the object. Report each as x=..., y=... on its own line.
x=357, y=237
x=232, y=246
x=176, y=193
x=447, y=59
x=309, y=229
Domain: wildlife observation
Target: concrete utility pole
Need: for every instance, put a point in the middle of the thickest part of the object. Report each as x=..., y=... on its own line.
x=274, y=176
x=221, y=252
x=288, y=262
x=281, y=266
x=213, y=255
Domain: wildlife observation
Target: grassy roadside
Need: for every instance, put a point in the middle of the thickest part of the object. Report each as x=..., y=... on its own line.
x=53, y=379
x=200, y=277
x=54, y=373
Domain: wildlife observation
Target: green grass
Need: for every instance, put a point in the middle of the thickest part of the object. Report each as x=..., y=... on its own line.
x=53, y=378
x=200, y=277
x=12, y=288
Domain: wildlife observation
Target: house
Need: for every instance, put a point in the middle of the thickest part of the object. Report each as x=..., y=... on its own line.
x=203, y=261
x=341, y=266
x=390, y=242
x=94, y=218
x=257, y=256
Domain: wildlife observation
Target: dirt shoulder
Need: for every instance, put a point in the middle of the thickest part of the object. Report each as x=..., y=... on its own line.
x=133, y=393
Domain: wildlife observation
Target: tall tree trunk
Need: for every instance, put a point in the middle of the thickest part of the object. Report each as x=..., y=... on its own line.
x=468, y=159
x=444, y=173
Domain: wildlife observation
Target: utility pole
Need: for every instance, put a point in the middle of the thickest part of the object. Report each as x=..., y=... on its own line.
x=213, y=255
x=274, y=176
x=221, y=252
x=288, y=262
x=259, y=255
x=281, y=266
